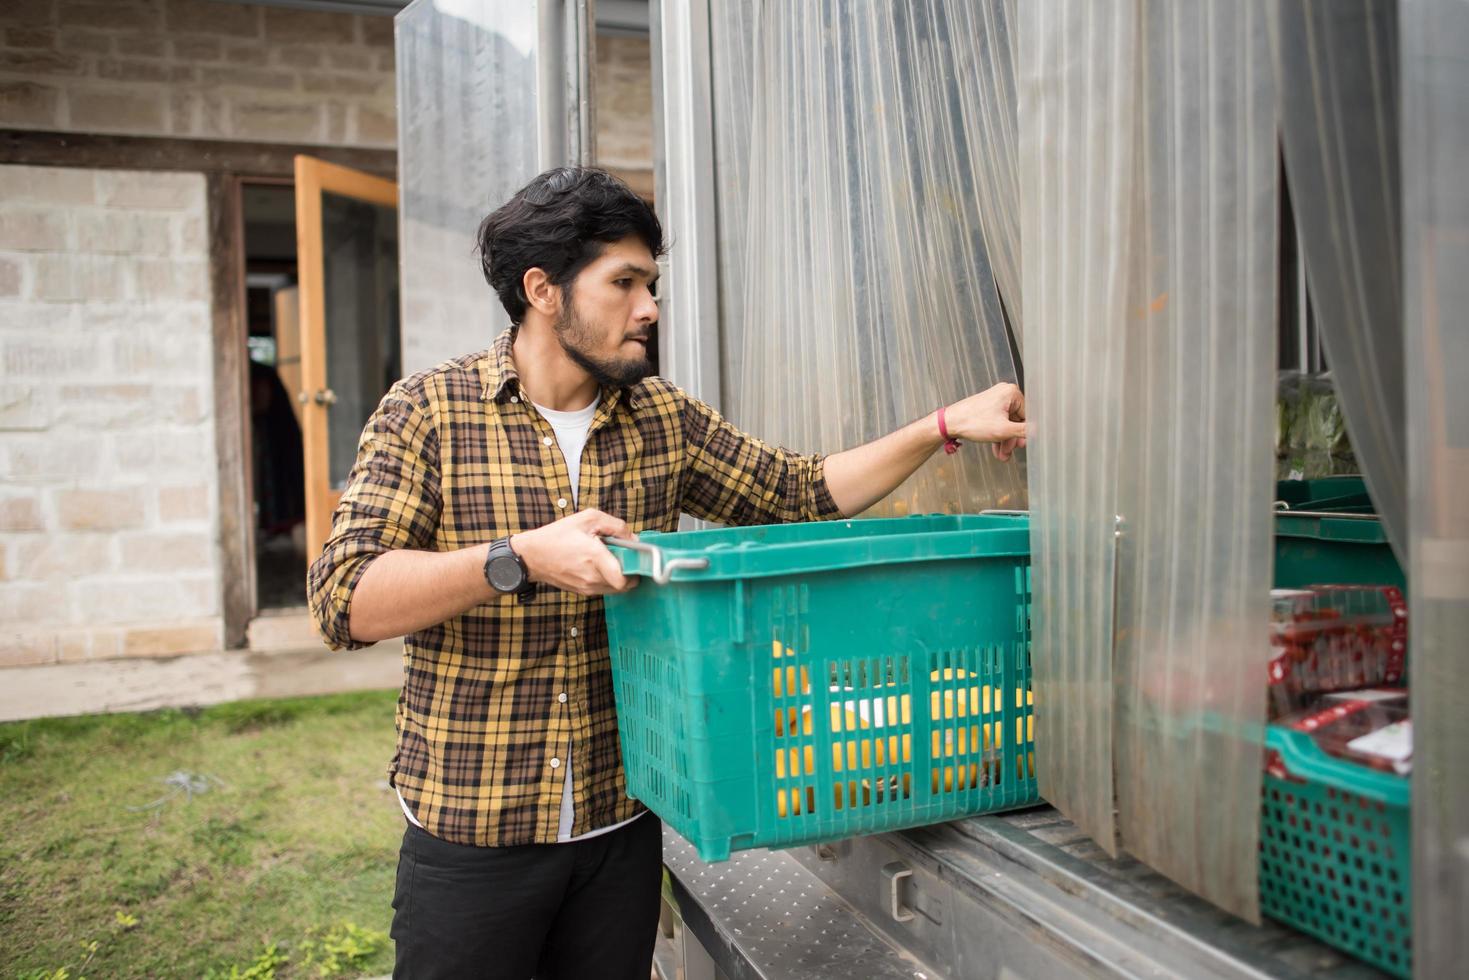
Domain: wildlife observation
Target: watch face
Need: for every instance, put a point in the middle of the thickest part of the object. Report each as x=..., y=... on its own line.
x=505, y=573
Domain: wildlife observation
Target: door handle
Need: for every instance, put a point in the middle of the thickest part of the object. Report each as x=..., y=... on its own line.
x=326, y=397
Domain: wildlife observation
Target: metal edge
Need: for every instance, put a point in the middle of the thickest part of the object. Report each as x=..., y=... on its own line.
x=1184, y=932
x=684, y=174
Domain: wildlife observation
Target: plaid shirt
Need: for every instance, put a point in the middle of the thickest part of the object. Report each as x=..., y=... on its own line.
x=456, y=457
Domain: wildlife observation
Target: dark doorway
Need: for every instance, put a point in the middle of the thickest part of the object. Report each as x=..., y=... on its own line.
x=274, y=358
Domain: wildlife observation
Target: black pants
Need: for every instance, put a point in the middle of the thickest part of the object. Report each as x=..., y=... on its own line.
x=550, y=911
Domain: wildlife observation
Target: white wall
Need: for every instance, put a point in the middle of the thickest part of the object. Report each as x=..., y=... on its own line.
x=108, y=492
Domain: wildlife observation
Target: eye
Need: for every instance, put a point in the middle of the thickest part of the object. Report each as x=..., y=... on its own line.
x=624, y=282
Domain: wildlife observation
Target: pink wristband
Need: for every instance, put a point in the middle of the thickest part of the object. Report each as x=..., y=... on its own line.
x=951, y=445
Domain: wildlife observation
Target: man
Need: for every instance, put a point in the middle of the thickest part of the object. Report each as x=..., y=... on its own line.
x=473, y=525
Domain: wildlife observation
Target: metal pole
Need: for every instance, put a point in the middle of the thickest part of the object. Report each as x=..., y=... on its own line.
x=683, y=114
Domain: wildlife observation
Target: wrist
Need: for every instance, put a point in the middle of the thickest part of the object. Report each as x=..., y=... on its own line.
x=944, y=431
x=525, y=550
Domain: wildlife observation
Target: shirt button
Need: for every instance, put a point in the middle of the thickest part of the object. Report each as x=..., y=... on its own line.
x=555, y=763
x=573, y=631
x=548, y=440
x=515, y=399
x=561, y=698
x=561, y=502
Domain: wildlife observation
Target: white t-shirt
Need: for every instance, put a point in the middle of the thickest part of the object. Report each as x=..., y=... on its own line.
x=571, y=430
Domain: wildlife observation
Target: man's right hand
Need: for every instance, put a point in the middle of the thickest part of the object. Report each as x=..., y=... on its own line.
x=569, y=554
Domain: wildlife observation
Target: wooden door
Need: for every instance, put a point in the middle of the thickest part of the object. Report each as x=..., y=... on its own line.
x=347, y=256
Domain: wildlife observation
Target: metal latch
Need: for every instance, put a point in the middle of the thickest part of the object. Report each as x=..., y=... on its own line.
x=895, y=872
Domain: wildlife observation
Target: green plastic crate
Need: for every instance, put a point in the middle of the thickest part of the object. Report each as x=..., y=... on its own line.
x=1315, y=550
x=1335, y=852
x=817, y=681
x=1340, y=494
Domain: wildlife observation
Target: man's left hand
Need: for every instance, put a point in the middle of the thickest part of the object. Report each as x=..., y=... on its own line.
x=996, y=416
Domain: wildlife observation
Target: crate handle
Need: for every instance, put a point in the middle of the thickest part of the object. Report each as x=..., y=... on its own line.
x=1329, y=514
x=663, y=568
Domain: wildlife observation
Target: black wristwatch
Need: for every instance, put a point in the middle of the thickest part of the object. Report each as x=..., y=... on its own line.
x=505, y=572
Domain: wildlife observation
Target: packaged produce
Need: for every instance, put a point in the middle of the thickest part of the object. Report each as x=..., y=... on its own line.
x=1371, y=727
x=1333, y=638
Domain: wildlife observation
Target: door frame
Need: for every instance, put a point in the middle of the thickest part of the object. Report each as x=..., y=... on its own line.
x=250, y=573
x=315, y=177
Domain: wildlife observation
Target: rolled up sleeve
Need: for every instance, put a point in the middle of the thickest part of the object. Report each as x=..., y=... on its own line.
x=734, y=478
x=393, y=500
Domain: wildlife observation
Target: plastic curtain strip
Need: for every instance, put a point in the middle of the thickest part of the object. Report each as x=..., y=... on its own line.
x=466, y=78
x=867, y=294
x=984, y=38
x=1078, y=93
x=1149, y=196
x=1338, y=66
x=1435, y=146
x=732, y=70
x=1196, y=471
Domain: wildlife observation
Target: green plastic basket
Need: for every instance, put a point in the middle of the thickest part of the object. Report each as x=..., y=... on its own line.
x=1335, y=853
x=807, y=682
x=1339, y=494
x=1318, y=550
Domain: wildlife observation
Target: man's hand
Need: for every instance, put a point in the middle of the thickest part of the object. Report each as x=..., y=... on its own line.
x=570, y=555
x=996, y=416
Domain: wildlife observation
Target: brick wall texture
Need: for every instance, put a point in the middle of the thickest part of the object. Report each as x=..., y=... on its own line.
x=625, y=109
x=107, y=468
x=197, y=69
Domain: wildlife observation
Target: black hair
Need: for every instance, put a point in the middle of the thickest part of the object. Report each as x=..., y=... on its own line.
x=560, y=222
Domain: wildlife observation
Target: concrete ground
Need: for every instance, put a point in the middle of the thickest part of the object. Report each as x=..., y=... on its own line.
x=285, y=661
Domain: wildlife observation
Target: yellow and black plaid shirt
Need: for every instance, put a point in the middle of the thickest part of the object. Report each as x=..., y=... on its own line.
x=457, y=456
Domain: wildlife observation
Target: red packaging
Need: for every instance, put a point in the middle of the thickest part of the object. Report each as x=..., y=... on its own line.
x=1370, y=727
x=1332, y=638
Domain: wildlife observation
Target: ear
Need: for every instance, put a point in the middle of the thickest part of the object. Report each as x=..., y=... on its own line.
x=542, y=295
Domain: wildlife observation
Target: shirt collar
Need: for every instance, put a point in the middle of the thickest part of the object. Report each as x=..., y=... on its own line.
x=499, y=380
x=498, y=377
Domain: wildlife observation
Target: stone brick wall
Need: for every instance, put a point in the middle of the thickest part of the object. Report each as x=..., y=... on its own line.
x=214, y=70
x=198, y=69
x=625, y=109
x=107, y=466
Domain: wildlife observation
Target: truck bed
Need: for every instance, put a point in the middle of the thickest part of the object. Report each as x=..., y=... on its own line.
x=1019, y=896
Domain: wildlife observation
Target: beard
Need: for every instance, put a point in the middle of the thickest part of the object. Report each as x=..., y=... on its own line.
x=576, y=337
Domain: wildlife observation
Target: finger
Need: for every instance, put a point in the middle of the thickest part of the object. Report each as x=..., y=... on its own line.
x=611, y=571
x=1017, y=404
x=1001, y=452
x=589, y=516
x=995, y=450
x=1012, y=431
x=607, y=526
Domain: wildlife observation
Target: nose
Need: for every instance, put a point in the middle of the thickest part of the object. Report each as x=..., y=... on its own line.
x=646, y=310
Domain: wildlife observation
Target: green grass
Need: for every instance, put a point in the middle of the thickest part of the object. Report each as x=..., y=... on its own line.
x=292, y=845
